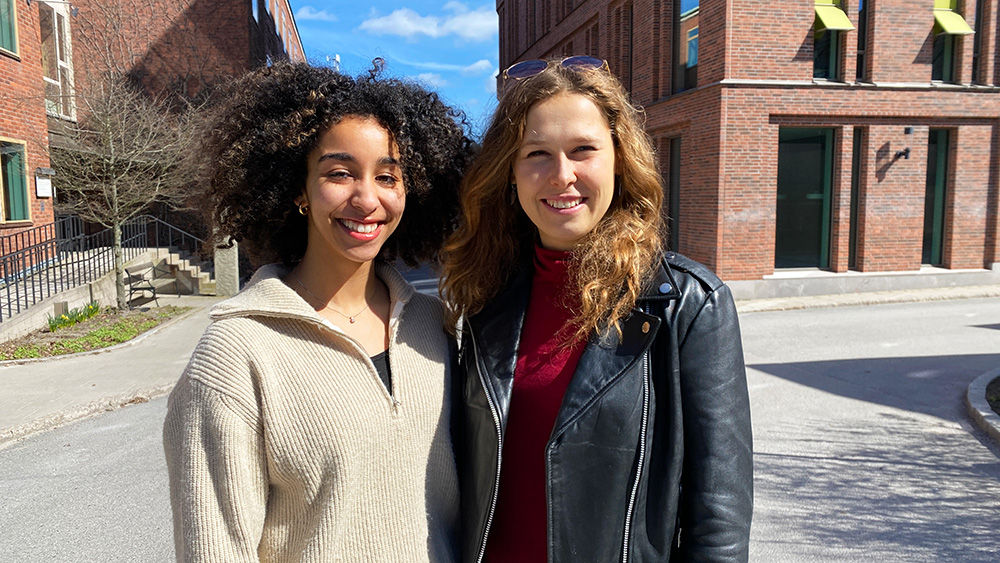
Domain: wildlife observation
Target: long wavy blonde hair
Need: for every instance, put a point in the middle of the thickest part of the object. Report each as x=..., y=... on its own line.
x=495, y=238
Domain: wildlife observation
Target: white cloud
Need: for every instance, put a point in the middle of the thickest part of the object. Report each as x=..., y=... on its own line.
x=431, y=79
x=477, y=67
x=478, y=25
x=308, y=13
x=491, y=83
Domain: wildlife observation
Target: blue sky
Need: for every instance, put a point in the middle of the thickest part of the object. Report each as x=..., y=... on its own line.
x=451, y=47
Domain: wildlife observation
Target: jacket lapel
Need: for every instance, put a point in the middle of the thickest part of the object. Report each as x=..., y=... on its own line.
x=606, y=357
x=496, y=331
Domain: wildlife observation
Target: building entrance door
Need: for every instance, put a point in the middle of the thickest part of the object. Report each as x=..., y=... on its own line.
x=802, y=229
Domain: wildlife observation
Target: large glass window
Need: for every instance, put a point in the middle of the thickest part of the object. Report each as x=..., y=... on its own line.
x=57, y=68
x=8, y=26
x=829, y=23
x=802, y=222
x=934, y=200
x=686, y=30
x=948, y=24
x=13, y=181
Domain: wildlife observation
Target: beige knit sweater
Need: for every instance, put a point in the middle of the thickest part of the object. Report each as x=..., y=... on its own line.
x=283, y=444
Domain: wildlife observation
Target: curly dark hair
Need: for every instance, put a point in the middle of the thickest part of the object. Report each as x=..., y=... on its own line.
x=271, y=120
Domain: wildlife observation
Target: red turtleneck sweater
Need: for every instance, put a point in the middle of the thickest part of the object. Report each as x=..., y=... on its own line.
x=543, y=372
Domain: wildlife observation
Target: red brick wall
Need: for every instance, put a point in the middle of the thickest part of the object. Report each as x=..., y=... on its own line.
x=755, y=76
x=967, y=204
x=182, y=45
x=22, y=110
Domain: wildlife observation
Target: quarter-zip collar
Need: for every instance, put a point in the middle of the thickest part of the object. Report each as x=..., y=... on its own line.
x=266, y=295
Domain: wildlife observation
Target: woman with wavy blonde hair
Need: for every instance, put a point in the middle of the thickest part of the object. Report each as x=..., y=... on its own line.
x=605, y=372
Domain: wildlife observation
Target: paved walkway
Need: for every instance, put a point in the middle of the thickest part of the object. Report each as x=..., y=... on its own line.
x=41, y=394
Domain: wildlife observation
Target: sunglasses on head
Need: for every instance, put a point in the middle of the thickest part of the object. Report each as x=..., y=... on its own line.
x=527, y=69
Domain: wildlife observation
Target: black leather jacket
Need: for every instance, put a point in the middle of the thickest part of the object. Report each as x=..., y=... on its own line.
x=650, y=458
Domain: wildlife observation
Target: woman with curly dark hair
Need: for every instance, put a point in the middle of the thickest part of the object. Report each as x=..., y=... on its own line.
x=312, y=422
x=606, y=415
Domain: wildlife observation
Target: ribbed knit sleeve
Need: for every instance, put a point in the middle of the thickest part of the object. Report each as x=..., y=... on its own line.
x=215, y=458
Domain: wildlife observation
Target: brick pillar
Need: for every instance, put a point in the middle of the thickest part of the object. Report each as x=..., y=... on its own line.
x=966, y=202
x=840, y=199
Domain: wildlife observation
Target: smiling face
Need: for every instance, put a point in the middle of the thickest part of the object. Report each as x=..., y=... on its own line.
x=354, y=190
x=565, y=169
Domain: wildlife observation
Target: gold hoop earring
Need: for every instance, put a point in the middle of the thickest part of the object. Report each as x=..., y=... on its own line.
x=303, y=208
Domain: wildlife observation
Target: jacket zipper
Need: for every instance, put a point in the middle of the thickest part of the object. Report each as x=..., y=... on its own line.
x=642, y=453
x=496, y=483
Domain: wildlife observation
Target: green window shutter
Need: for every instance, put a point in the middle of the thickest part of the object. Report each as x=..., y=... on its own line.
x=8, y=36
x=14, y=184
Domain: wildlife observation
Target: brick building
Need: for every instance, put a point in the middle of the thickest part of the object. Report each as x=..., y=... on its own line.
x=828, y=141
x=48, y=49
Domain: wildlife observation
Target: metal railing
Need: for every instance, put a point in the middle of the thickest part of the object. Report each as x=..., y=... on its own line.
x=69, y=258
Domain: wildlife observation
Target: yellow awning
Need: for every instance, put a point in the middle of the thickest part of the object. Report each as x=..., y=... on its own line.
x=833, y=18
x=948, y=22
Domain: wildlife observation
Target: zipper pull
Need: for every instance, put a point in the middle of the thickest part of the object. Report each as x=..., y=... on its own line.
x=395, y=406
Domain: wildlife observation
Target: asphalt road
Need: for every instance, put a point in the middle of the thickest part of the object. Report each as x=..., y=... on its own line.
x=864, y=451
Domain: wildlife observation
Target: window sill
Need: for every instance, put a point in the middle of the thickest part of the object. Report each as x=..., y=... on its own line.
x=17, y=223
x=828, y=82
x=10, y=54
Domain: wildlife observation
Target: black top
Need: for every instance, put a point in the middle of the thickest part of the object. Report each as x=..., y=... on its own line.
x=381, y=362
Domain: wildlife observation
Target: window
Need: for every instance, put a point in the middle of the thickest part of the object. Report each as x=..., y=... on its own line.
x=829, y=23
x=692, y=47
x=943, y=61
x=686, y=17
x=862, y=67
x=13, y=181
x=947, y=25
x=57, y=68
x=8, y=26
x=977, y=45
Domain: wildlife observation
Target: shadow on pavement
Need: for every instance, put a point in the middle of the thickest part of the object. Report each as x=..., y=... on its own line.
x=934, y=385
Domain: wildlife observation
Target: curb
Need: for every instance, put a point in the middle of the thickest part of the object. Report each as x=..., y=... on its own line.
x=979, y=407
x=866, y=298
x=9, y=436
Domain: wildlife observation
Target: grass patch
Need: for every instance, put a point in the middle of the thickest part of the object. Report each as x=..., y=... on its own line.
x=101, y=330
x=993, y=395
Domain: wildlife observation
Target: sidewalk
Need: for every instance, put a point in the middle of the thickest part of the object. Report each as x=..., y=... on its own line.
x=41, y=394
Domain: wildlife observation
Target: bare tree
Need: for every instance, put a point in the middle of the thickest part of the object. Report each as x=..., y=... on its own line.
x=127, y=152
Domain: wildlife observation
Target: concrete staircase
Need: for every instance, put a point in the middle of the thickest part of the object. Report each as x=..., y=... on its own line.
x=180, y=274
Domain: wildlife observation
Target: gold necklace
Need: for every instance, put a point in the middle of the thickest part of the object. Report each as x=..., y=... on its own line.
x=351, y=318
